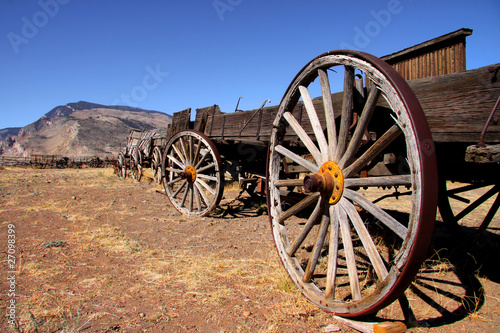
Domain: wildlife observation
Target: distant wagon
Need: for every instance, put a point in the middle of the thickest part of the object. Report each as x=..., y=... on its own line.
x=143, y=149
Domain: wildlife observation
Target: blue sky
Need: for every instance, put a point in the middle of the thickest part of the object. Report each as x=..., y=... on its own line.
x=171, y=55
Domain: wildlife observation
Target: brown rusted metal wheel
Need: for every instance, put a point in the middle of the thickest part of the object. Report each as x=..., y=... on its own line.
x=156, y=165
x=136, y=164
x=352, y=183
x=192, y=173
x=122, y=166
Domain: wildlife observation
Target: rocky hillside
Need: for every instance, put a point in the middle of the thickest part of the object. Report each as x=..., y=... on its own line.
x=80, y=129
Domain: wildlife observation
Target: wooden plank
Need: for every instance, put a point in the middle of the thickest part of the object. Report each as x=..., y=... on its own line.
x=456, y=107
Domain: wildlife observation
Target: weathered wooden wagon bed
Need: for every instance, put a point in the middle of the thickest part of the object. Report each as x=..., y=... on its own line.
x=349, y=252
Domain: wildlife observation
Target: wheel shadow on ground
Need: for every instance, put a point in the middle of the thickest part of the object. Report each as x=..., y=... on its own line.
x=448, y=288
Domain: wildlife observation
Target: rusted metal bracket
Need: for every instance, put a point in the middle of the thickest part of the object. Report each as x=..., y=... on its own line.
x=259, y=111
x=481, y=141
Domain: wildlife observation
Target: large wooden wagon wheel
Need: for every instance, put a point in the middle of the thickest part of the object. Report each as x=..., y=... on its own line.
x=156, y=165
x=348, y=251
x=122, y=166
x=193, y=177
x=136, y=164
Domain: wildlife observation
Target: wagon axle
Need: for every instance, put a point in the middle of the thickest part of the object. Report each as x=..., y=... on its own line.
x=329, y=182
x=189, y=174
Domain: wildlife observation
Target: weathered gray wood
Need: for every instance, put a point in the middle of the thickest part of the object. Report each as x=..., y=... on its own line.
x=487, y=154
x=398, y=180
x=313, y=219
x=297, y=159
x=180, y=121
x=366, y=239
x=350, y=257
x=301, y=205
x=289, y=182
x=315, y=123
x=304, y=137
x=373, y=151
x=329, y=112
x=346, y=120
x=456, y=107
x=318, y=246
x=377, y=212
x=333, y=251
x=366, y=115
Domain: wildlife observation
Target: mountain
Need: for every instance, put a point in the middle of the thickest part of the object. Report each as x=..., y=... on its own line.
x=7, y=132
x=80, y=129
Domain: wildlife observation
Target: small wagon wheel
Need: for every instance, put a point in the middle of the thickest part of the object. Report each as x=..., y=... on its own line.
x=122, y=166
x=156, y=165
x=349, y=252
x=136, y=164
x=193, y=176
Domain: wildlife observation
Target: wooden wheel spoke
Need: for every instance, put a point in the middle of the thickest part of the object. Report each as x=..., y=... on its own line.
x=173, y=181
x=298, y=207
x=206, y=167
x=329, y=112
x=301, y=133
x=288, y=182
x=349, y=253
x=206, y=186
x=184, y=196
x=191, y=155
x=197, y=197
x=386, y=139
x=333, y=252
x=362, y=126
x=207, y=177
x=318, y=246
x=184, y=150
x=347, y=104
x=364, y=235
x=179, y=189
x=178, y=152
x=203, y=157
x=297, y=159
x=204, y=197
x=315, y=123
x=399, y=180
x=191, y=198
x=174, y=170
x=197, y=153
x=176, y=161
x=313, y=219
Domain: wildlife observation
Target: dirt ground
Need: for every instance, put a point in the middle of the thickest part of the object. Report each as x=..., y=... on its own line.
x=94, y=253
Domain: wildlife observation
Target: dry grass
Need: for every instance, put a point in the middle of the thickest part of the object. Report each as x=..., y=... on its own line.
x=69, y=279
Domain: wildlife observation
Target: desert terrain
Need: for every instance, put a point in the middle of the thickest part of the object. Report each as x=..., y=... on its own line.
x=94, y=253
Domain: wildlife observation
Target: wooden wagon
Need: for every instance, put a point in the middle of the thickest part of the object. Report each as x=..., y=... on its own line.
x=351, y=178
x=143, y=149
